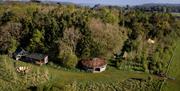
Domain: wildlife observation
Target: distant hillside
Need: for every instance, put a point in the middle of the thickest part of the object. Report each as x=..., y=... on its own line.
x=159, y=7
x=160, y=4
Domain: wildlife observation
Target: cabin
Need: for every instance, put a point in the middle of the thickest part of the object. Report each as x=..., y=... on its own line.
x=94, y=65
x=19, y=53
x=37, y=58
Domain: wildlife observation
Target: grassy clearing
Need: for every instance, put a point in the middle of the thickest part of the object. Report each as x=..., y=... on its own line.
x=62, y=80
x=176, y=14
x=110, y=80
x=173, y=85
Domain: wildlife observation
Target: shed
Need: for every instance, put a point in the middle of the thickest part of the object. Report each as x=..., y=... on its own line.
x=19, y=53
x=37, y=58
x=94, y=65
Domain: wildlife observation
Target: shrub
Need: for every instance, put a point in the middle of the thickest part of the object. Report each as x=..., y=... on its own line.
x=68, y=59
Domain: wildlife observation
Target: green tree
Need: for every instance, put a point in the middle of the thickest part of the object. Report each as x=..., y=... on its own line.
x=68, y=59
x=13, y=45
x=36, y=42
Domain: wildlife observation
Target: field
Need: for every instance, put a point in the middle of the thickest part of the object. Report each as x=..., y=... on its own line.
x=173, y=85
x=176, y=14
x=67, y=80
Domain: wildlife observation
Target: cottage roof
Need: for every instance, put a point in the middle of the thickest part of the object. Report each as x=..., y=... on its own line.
x=93, y=63
x=37, y=56
x=20, y=51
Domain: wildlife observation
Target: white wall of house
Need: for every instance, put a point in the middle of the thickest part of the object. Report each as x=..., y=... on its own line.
x=102, y=68
x=93, y=70
x=46, y=59
x=18, y=57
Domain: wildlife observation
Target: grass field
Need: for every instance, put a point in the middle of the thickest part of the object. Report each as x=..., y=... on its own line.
x=62, y=80
x=175, y=14
x=174, y=85
x=110, y=80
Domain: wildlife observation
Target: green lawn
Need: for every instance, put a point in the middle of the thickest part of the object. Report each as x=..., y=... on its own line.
x=109, y=74
x=174, y=85
x=175, y=14
x=112, y=79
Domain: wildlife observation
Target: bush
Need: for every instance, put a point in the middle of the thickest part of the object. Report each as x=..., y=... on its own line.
x=68, y=59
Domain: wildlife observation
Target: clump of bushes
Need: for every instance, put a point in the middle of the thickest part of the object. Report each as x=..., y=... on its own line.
x=68, y=59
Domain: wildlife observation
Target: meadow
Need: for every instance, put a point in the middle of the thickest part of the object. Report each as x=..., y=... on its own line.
x=47, y=78
x=173, y=85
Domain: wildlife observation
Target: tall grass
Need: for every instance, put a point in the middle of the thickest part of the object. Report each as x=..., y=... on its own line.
x=11, y=80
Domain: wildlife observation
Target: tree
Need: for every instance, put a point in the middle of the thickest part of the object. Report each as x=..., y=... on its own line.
x=37, y=1
x=108, y=16
x=36, y=42
x=66, y=50
x=7, y=16
x=13, y=46
x=68, y=59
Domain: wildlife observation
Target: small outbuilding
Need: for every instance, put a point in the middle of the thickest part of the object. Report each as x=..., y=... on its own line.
x=94, y=65
x=37, y=58
x=19, y=53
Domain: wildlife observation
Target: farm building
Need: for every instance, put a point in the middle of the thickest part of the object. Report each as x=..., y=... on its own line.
x=94, y=65
x=36, y=58
x=19, y=53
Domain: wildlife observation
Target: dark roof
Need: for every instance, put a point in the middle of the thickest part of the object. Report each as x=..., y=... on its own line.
x=37, y=56
x=20, y=51
x=94, y=62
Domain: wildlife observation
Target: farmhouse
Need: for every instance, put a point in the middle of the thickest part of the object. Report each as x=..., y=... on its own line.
x=94, y=65
x=37, y=58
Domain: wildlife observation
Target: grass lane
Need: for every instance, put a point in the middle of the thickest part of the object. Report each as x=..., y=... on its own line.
x=174, y=71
